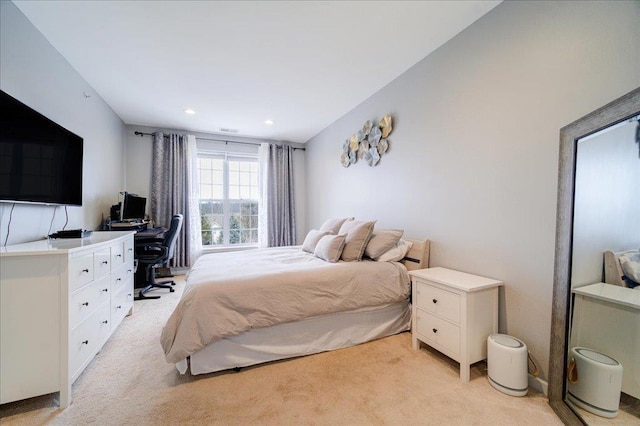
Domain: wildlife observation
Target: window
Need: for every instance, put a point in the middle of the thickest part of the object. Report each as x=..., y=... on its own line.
x=228, y=199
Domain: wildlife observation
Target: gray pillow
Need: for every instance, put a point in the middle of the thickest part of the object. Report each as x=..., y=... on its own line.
x=333, y=225
x=311, y=240
x=381, y=241
x=330, y=247
x=358, y=234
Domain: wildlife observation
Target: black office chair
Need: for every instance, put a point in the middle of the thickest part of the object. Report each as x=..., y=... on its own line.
x=153, y=252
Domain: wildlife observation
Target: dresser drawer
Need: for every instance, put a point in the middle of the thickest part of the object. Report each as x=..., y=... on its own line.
x=128, y=251
x=87, y=337
x=121, y=304
x=443, y=303
x=438, y=332
x=86, y=299
x=119, y=278
x=102, y=262
x=117, y=254
x=80, y=271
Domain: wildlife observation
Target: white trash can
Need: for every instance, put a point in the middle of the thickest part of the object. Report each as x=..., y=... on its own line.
x=595, y=382
x=507, y=364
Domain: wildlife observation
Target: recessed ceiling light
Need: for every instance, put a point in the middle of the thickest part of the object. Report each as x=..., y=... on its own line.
x=268, y=122
x=189, y=111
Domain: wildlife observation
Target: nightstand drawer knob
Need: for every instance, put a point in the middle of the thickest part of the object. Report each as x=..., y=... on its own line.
x=435, y=300
x=435, y=330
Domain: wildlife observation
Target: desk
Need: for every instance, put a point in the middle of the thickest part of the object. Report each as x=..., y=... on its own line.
x=128, y=226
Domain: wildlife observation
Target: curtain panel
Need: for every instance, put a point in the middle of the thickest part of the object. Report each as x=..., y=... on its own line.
x=174, y=189
x=277, y=223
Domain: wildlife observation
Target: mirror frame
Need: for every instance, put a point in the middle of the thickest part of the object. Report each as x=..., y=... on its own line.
x=619, y=110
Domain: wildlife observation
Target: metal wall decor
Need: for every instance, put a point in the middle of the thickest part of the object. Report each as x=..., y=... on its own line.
x=369, y=144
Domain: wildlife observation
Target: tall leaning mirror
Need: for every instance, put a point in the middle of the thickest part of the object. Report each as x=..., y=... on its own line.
x=596, y=305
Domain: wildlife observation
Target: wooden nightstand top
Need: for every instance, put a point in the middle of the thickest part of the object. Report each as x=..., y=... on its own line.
x=456, y=279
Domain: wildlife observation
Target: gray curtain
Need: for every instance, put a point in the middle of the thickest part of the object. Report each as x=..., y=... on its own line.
x=172, y=189
x=281, y=212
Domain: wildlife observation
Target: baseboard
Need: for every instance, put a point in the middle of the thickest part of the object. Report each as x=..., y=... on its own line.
x=538, y=384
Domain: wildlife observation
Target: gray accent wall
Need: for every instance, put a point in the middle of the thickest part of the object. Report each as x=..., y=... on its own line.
x=474, y=151
x=32, y=71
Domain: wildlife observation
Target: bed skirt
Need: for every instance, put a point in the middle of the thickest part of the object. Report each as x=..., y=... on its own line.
x=303, y=337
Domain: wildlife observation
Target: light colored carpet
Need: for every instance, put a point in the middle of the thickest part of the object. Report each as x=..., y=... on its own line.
x=381, y=382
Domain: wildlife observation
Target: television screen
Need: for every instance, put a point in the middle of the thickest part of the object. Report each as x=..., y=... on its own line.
x=40, y=161
x=133, y=207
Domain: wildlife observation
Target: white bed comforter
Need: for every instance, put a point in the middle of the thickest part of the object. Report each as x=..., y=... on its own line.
x=229, y=293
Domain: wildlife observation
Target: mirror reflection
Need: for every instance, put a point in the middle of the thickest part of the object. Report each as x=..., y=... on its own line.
x=603, y=374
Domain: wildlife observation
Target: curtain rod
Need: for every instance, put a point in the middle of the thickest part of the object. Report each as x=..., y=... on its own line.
x=141, y=134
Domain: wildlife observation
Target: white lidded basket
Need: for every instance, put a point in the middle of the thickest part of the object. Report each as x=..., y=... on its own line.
x=595, y=382
x=507, y=364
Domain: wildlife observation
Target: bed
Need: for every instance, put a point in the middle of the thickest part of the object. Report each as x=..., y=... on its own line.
x=245, y=308
x=622, y=268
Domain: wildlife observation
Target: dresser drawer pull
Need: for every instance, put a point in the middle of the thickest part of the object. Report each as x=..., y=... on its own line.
x=104, y=262
x=105, y=322
x=105, y=290
x=118, y=279
x=129, y=295
x=85, y=270
x=119, y=307
x=130, y=249
x=129, y=270
x=118, y=255
x=85, y=342
x=435, y=300
x=435, y=330
x=85, y=304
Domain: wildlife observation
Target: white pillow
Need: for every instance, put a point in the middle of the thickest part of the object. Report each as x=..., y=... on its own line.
x=333, y=225
x=358, y=234
x=330, y=247
x=381, y=241
x=396, y=253
x=630, y=262
x=311, y=240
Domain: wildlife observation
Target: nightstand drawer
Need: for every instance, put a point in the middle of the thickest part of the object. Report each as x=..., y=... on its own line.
x=440, y=302
x=438, y=331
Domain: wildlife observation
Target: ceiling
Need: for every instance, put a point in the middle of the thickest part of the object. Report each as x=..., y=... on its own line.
x=302, y=64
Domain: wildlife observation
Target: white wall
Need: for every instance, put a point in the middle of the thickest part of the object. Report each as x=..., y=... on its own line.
x=474, y=151
x=32, y=71
x=138, y=164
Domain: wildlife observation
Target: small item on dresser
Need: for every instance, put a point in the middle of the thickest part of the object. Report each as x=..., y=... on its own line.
x=71, y=233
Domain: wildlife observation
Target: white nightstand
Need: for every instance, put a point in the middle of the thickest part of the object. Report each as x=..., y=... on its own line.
x=454, y=312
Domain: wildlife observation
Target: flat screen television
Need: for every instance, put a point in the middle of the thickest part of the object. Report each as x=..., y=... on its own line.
x=133, y=207
x=40, y=161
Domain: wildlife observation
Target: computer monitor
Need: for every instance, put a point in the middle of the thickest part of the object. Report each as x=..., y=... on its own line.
x=133, y=207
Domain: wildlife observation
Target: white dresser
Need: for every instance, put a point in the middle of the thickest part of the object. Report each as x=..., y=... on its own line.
x=454, y=312
x=60, y=301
